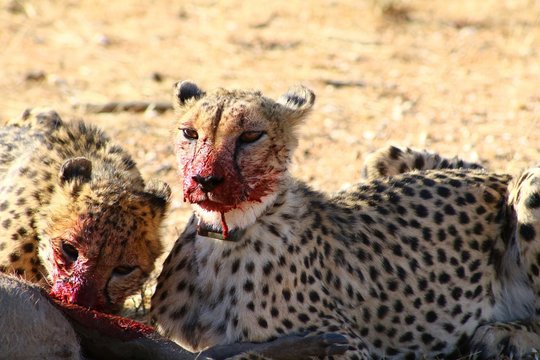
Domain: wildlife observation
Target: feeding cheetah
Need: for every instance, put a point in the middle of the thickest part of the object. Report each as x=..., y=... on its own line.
x=403, y=266
x=75, y=213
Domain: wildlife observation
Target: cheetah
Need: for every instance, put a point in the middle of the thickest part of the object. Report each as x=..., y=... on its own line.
x=403, y=266
x=515, y=339
x=75, y=214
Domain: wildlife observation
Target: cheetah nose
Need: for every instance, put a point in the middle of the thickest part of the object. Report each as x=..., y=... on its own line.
x=207, y=183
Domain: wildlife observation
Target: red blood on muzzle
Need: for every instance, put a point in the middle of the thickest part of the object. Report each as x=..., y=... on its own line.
x=83, y=294
x=207, y=172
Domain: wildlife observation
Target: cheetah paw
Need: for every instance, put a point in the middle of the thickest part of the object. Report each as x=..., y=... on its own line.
x=512, y=340
x=288, y=347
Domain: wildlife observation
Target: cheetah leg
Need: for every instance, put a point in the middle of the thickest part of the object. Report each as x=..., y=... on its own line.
x=513, y=340
x=284, y=348
x=322, y=343
x=393, y=160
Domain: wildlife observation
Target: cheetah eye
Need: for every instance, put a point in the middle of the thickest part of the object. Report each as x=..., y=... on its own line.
x=250, y=136
x=69, y=251
x=190, y=134
x=123, y=270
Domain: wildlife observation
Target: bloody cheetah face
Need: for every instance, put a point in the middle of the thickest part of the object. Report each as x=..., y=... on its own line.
x=99, y=241
x=233, y=148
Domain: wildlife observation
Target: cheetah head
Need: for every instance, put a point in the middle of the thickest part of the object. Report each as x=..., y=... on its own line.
x=233, y=148
x=99, y=238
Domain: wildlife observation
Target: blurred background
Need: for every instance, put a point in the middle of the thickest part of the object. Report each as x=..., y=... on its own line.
x=456, y=77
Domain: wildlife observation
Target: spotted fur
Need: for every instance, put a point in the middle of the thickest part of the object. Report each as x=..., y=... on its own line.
x=393, y=160
x=403, y=266
x=75, y=213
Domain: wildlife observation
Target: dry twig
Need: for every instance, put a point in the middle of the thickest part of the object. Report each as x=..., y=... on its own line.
x=121, y=106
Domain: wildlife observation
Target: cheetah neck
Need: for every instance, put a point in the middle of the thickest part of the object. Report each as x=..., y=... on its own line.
x=212, y=223
x=204, y=230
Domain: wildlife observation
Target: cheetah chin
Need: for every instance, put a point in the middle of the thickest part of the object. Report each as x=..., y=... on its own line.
x=238, y=218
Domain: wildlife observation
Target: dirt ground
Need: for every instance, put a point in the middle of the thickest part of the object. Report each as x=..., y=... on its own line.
x=457, y=77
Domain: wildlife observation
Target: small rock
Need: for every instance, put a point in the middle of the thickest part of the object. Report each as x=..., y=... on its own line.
x=37, y=75
x=157, y=76
x=182, y=14
x=102, y=40
x=14, y=7
x=368, y=135
x=468, y=31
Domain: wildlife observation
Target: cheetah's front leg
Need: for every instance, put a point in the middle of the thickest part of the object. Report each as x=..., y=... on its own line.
x=284, y=348
x=332, y=339
x=514, y=340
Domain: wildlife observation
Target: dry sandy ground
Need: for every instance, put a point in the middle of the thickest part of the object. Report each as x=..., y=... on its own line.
x=458, y=77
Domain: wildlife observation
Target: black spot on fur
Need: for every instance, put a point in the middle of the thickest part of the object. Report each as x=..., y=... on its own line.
x=425, y=194
x=248, y=286
x=287, y=323
x=527, y=232
x=295, y=99
x=443, y=191
x=235, y=266
x=421, y=211
x=419, y=162
x=488, y=197
x=263, y=323
x=381, y=168
x=395, y=152
x=28, y=247
x=14, y=257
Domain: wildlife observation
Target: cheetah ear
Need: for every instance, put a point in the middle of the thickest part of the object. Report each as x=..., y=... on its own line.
x=185, y=91
x=158, y=193
x=76, y=168
x=296, y=103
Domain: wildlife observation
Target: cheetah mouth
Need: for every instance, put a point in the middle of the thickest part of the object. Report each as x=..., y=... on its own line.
x=223, y=200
